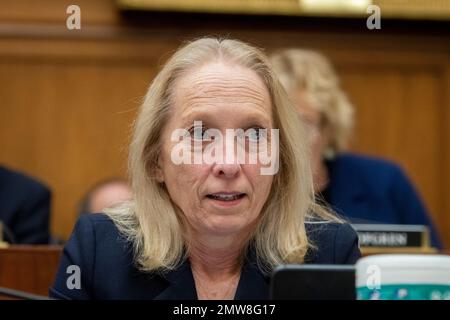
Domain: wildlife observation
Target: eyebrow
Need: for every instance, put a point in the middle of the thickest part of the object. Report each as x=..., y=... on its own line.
x=208, y=119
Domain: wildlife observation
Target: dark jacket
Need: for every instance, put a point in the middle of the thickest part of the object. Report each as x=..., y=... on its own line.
x=368, y=189
x=24, y=208
x=105, y=261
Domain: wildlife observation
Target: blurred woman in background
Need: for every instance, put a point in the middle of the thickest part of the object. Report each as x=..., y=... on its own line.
x=361, y=188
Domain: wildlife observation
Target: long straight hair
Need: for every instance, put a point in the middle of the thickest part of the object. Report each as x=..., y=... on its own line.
x=150, y=222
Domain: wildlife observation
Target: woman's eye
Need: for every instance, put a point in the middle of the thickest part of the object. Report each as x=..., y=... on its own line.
x=256, y=134
x=253, y=135
x=199, y=133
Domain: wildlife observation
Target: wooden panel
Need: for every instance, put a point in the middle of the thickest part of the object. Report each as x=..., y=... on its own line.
x=70, y=125
x=31, y=11
x=29, y=268
x=444, y=218
x=398, y=116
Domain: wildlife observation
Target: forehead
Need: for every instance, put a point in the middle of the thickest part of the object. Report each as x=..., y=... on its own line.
x=216, y=86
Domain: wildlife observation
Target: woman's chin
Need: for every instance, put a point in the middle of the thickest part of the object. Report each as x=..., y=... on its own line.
x=226, y=225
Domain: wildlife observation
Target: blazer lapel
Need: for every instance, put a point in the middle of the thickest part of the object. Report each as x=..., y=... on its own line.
x=181, y=284
x=253, y=285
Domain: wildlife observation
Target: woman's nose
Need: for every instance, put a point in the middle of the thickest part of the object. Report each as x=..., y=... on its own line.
x=230, y=164
x=226, y=170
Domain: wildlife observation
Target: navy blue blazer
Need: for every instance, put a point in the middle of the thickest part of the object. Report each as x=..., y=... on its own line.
x=368, y=189
x=105, y=261
x=24, y=208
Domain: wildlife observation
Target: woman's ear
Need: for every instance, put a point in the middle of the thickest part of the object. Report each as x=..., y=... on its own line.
x=158, y=172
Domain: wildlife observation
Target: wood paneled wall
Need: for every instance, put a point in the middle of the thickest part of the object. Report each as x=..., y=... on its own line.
x=68, y=98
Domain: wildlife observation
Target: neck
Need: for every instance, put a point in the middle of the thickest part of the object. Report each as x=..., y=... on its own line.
x=217, y=257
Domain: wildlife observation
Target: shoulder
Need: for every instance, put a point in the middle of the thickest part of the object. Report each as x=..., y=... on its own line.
x=17, y=182
x=96, y=234
x=97, y=225
x=90, y=231
x=365, y=163
x=369, y=171
x=94, y=246
x=332, y=243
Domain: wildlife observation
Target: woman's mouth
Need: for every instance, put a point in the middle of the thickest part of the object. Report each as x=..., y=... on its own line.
x=226, y=198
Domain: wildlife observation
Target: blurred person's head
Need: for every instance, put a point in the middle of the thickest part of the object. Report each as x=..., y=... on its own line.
x=105, y=194
x=226, y=84
x=313, y=86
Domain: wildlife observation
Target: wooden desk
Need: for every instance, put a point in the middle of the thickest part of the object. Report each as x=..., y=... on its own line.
x=368, y=251
x=29, y=268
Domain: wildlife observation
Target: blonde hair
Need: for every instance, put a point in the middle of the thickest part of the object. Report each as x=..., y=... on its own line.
x=311, y=71
x=151, y=222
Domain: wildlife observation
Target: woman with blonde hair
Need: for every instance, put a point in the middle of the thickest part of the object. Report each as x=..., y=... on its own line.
x=361, y=188
x=206, y=223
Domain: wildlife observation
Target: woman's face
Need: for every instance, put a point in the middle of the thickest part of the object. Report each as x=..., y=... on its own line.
x=217, y=199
